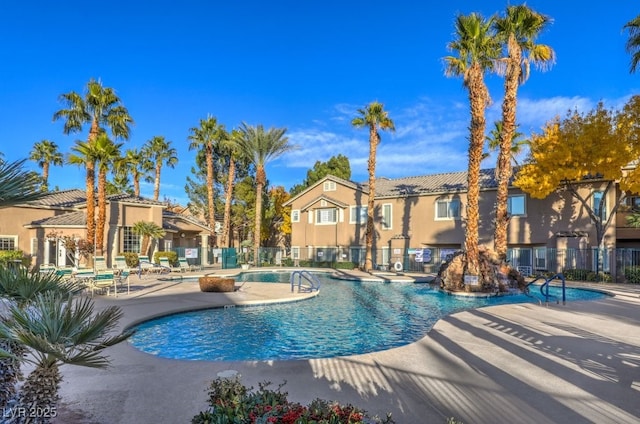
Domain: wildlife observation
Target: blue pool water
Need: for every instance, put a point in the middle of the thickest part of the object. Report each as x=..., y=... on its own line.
x=346, y=318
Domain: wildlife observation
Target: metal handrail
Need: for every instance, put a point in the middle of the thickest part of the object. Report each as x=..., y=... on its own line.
x=544, y=289
x=312, y=282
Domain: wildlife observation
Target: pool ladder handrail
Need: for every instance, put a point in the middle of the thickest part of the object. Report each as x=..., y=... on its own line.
x=544, y=288
x=306, y=281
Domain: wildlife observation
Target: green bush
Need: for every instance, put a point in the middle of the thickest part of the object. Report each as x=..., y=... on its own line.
x=632, y=274
x=345, y=265
x=172, y=256
x=12, y=255
x=231, y=402
x=131, y=258
x=287, y=262
x=576, y=274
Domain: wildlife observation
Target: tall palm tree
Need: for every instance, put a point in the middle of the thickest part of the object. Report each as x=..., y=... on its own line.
x=159, y=152
x=259, y=147
x=517, y=142
x=206, y=138
x=107, y=154
x=477, y=49
x=148, y=231
x=135, y=165
x=46, y=153
x=373, y=117
x=17, y=185
x=633, y=43
x=230, y=149
x=101, y=108
x=518, y=29
x=59, y=329
x=83, y=154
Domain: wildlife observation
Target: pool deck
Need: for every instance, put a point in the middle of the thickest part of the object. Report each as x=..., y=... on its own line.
x=523, y=363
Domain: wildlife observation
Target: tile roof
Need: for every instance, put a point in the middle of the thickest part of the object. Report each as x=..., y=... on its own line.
x=449, y=182
x=129, y=198
x=77, y=218
x=62, y=199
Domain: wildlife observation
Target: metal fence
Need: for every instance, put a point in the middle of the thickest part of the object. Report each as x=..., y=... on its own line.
x=619, y=265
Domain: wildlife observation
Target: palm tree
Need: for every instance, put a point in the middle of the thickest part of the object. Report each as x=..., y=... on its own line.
x=100, y=107
x=147, y=230
x=477, y=49
x=17, y=185
x=83, y=154
x=159, y=151
x=21, y=287
x=633, y=43
x=259, y=147
x=107, y=154
x=46, y=153
x=230, y=148
x=59, y=329
x=136, y=165
x=373, y=117
x=206, y=138
x=518, y=29
x=517, y=143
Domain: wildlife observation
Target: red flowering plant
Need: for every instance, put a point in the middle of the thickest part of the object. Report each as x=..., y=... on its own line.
x=232, y=402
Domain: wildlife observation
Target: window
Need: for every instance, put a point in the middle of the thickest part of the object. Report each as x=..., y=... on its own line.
x=598, y=201
x=8, y=242
x=448, y=209
x=516, y=205
x=295, y=253
x=386, y=216
x=633, y=202
x=540, y=255
x=34, y=246
x=329, y=186
x=295, y=215
x=358, y=215
x=326, y=216
x=130, y=241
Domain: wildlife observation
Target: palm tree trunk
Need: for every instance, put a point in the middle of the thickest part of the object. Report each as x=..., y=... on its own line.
x=136, y=186
x=371, y=166
x=260, y=181
x=10, y=372
x=156, y=184
x=40, y=391
x=91, y=203
x=478, y=99
x=102, y=211
x=211, y=204
x=45, y=176
x=503, y=169
x=226, y=223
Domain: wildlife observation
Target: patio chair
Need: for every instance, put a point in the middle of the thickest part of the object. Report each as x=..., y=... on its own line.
x=186, y=266
x=104, y=280
x=47, y=269
x=65, y=273
x=144, y=265
x=99, y=263
x=166, y=265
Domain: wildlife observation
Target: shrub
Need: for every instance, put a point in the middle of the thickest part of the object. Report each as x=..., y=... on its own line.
x=345, y=265
x=576, y=274
x=131, y=258
x=232, y=402
x=632, y=274
x=13, y=255
x=172, y=256
x=287, y=262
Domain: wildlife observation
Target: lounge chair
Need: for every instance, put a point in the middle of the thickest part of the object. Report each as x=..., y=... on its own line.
x=186, y=266
x=99, y=263
x=104, y=280
x=47, y=269
x=122, y=271
x=166, y=265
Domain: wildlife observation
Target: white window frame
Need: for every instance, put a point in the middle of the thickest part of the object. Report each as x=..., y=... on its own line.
x=318, y=214
x=329, y=186
x=34, y=246
x=295, y=215
x=448, y=202
x=358, y=215
x=387, y=221
x=540, y=258
x=524, y=204
x=8, y=237
x=295, y=252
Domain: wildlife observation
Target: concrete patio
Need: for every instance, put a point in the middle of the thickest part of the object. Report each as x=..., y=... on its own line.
x=524, y=363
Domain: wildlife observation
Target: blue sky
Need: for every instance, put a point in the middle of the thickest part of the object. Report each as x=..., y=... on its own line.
x=306, y=66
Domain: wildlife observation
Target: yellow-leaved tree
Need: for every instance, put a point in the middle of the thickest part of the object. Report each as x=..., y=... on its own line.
x=601, y=145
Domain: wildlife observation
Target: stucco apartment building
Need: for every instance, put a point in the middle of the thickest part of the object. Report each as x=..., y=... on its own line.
x=30, y=227
x=420, y=220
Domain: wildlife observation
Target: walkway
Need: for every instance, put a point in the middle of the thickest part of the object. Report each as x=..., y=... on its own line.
x=522, y=363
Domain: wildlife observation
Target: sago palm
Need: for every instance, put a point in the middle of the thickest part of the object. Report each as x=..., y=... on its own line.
x=45, y=153
x=18, y=185
x=159, y=152
x=373, y=117
x=59, y=329
x=101, y=108
x=206, y=138
x=518, y=30
x=476, y=49
x=259, y=147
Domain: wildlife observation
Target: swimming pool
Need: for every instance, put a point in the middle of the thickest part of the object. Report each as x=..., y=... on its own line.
x=347, y=318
